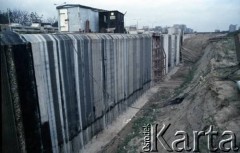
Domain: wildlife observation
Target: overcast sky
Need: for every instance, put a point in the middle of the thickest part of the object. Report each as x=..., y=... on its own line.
x=201, y=15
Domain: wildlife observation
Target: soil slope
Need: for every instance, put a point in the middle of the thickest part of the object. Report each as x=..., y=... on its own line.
x=203, y=92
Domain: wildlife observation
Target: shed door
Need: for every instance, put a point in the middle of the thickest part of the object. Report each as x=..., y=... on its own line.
x=63, y=20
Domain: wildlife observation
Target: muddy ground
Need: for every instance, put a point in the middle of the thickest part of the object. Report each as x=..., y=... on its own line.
x=201, y=93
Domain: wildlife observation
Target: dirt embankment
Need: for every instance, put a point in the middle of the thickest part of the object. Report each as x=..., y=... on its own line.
x=200, y=94
x=193, y=48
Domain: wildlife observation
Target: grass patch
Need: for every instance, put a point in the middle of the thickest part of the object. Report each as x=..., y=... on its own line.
x=148, y=117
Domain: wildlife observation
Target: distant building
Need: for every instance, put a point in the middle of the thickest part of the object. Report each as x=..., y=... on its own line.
x=172, y=30
x=145, y=28
x=134, y=30
x=232, y=28
x=131, y=29
x=188, y=30
x=74, y=17
x=158, y=29
x=217, y=30
x=183, y=27
x=165, y=30
x=111, y=21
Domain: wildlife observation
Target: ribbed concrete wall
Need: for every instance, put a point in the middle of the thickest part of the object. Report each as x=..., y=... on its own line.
x=178, y=48
x=79, y=84
x=172, y=52
x=172, y=46
x=166, y=49
x=62, y=89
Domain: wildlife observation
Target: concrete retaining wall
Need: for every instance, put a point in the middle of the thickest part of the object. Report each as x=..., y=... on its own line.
x=79, y=84
x=60, y=90
x=172, y=47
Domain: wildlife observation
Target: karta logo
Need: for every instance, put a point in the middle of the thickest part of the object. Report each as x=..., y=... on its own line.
x=153, y=137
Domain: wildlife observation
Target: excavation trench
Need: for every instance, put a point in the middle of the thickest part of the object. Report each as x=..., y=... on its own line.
x=192, y=99
x=111, y=135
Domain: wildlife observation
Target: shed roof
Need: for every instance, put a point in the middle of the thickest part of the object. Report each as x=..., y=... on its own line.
x=104, y=11
x=78, y=5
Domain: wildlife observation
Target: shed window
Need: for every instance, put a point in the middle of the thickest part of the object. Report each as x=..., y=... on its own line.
x=112, y=17
x=105, y=18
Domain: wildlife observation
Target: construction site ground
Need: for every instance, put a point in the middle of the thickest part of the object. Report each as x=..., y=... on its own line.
x=199, y=92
